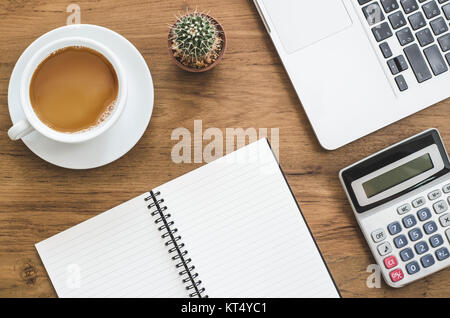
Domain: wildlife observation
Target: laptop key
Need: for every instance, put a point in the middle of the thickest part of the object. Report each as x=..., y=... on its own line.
x=446, y=10
x=373, y=13
x=444, y=42
x=431, y=9
x=389, y=5
x=417, y=20
x=393, y=67
x=439, y=26
x=401, y=63
x=385, y=50
x=435, y=60
x=417, y=62
x=405, y=36
x=447, y=56
x=361, y=2
x=409, y=6
x=397, y=20
x=382, y=32
x=397, y=65
x=424, y=37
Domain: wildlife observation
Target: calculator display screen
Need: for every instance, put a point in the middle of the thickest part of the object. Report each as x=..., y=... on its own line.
x=398, y=175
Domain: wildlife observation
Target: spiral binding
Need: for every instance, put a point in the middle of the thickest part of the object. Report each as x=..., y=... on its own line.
x=176, y=247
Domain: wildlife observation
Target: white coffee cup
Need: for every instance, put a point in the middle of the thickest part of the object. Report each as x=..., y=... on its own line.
x=32, y=121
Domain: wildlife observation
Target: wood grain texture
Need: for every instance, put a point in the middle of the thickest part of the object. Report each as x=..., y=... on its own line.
x=248, y=89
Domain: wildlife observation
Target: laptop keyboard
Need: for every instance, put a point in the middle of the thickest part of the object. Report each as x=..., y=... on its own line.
x=421, y=27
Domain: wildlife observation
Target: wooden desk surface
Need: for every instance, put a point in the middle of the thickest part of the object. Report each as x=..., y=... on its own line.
x=248, y=89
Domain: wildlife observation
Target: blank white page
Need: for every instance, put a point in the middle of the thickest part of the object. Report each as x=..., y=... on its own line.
x=243, y=229
x=119, y=253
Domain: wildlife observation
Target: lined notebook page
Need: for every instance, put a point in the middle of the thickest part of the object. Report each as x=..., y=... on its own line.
x=118, y=253
x=243, y=229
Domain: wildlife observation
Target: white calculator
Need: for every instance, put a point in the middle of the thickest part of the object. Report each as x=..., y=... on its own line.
x=400, y=197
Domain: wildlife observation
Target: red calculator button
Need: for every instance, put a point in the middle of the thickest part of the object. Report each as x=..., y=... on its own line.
x=396, y=275
x=390, y=262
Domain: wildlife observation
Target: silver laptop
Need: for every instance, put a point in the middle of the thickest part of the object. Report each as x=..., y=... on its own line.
x=360, y=65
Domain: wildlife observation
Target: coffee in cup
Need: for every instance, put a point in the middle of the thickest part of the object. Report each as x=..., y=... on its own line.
x=73, y=89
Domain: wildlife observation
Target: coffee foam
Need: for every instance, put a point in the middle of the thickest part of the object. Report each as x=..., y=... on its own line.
x=109, y=110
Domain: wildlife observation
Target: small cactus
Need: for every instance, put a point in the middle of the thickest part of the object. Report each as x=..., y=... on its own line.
x=195, y=40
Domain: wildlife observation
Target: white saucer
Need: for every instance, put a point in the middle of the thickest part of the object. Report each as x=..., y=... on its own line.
x=125, y=133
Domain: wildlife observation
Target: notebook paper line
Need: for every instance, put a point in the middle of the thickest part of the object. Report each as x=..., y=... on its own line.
x=117, y=233
x=82, y=235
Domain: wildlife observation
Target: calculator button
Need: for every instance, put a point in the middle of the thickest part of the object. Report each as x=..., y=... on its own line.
x=424, y=214
x=400, y=241
x=421, y=247
x=433, y=195
x=405, y=208
x=394, y=228
x=448, y=234
x=412, y=267
x=427, y=260
x=409, y=221
x=415, y=234
x=390, y=262
x=418, y=202
x=378, y=235
x=396, y=275
x=440, y=207
x=442, y=254
x=406, y=254
x=445, y=220
x=446, y=188
x=430, y=227
x=384, y=248
x=436, y=240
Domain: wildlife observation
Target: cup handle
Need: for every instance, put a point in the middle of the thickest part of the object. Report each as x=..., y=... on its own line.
x=20, y=130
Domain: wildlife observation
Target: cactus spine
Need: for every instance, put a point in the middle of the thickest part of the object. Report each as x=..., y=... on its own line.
x=196, y=42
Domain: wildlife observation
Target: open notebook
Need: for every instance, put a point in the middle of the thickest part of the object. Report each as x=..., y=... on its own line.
x=231, y=228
